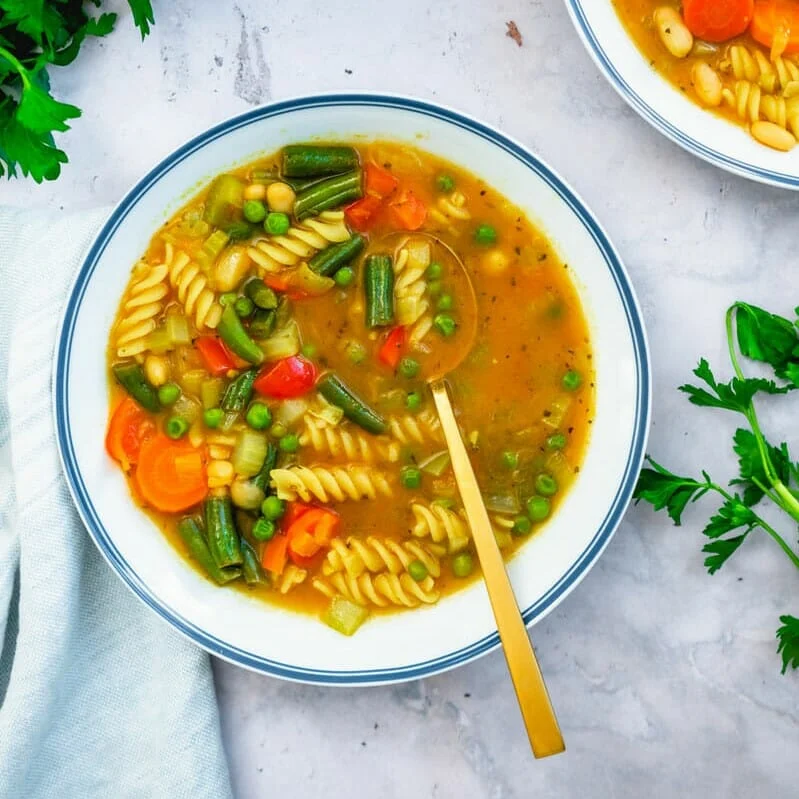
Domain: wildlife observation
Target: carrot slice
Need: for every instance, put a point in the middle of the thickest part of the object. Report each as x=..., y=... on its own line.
x=128, y=427
x=170, y=474
x=776, y=21
x=275, y=554
x=717, y=20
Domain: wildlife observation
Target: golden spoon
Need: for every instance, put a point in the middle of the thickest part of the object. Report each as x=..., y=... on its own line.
x=537, y=712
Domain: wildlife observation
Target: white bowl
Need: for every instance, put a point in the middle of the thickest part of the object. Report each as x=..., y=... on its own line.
x=663, y=105
x=404, y=645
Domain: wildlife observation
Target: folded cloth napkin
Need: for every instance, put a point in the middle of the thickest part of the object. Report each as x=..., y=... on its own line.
x=98, y=697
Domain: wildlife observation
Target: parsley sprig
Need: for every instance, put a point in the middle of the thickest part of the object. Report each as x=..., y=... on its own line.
x=764, y=471
x=34, y=35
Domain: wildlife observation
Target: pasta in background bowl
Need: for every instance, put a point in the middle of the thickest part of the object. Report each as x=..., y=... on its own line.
x=268, y=637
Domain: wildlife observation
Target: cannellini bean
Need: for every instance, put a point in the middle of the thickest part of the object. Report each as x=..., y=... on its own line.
x=220, y=473
x=246, y=494
x=231, y=267
x=674, y=34
x=255, y=191
x=156, y=369
x=280, y=197
x=495, y=262
x=772, y=135
x=707, y=83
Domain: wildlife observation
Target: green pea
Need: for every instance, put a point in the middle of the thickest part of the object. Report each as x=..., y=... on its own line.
x=445, y=183
x=521, y=526
x=538, y=508
x=434, y=288
x=546, y=485
x=264, y=530
x=278, y=430
x=445, y=302
x=556, y=441
x=344, y=276
x=273, y=508
x=417, y=570
x=309, y=350
x=228, y=298
x=485, y=234
x=462, y=564
x=254, y=211
x=276, y=223
x=413, y=401
x=444, y=502
x=356, y=352
x=409, y=367
x=259, y=417
x=410, y=477
x=290, y=442
x=243, y=307
x=168, y=393
x=445, y=324
x=176, y=427
x=434, y=271
x=213, y=417
x=510, y=460
x=572, y=380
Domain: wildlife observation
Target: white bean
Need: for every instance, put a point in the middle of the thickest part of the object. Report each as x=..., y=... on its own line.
x=156, y=369
x=674, y=34
x=280, y=197
x=255, y=191
x=707, y=83
x=772, y=135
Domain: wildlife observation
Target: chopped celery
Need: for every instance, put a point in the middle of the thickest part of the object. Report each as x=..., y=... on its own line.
x=502, y=503
x=224, y=201
x=283, y=344
x=188, y=408
x=553, y=417
x=436, y=464
x=177, y=327
x=212, y=247
x=408, y=309
x=326, y=411
x=249, y=453
x=343, y=616
x=159, y=340
x=503, y=538
x=230, y=418
x=211, y=392
x=191, y=381
x=474, y=439
x=559, y=467
x=309, y=282
x=291, y=411
x=444, y=502
x=192, y=225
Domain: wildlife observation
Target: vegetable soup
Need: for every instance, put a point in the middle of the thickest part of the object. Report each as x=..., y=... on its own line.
x=735, y=57
x=268, y=367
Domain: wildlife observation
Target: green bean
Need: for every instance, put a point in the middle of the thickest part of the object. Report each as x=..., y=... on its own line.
x=260, y=294
x=262, y=323
x=235, y=336
x=329, y=261
x=311, y=160
x=191, y=532
x=270, y=461
x=237, y=394
x=378, y=282
x=355, y=409
x=132, y=378
x=329, y=193
x=223, y=539
x=251, y=566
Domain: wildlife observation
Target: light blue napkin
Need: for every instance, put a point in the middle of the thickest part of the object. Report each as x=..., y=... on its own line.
x=98, y=697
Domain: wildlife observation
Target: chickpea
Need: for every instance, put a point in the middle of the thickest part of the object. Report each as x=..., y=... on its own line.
x=156, y=370
x=255, y=191
x=495, y=262
x=280, y=197
x=674, y=34
x=707, y=83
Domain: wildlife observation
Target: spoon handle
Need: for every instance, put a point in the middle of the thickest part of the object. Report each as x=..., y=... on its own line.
x=539, y=717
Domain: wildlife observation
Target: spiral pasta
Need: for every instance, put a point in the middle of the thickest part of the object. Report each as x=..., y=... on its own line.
x=330, y=483
x=341, y=440
x=751, y=104
x=291, y=577
x=440, y=524
x=410, y=289
x=420, y=429
x=140, y=308
x=220, y=470
x=753, y=66
x=378, y=555
x=381, y=590
x=193, y=288
x=302, y=241
x=449, y=209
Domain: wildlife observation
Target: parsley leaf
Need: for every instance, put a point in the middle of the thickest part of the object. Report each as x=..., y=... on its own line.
x=41, y=114
x=763, y=336
x=730, y=516
x=666, y=490
x=736, y=395
x=719, y=551
x=751, y=468
x=142, y=15
x=788, y=637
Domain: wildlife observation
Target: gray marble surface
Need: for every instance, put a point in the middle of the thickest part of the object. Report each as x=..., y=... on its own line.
x=665, y=679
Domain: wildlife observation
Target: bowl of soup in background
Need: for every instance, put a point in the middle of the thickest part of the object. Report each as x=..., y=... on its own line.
x=398, y=646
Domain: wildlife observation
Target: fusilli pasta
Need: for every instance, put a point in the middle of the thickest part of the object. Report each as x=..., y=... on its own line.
x=382, y=589
x=302, y=241
x=193, y=289
x=410, y=289
x=140, y=308
x=754, y=66
x=420, y=429
x=751, y=104
x=440, y=524
x=378, y=555
x=450, y=209
x=338, y=440
x=330, y=483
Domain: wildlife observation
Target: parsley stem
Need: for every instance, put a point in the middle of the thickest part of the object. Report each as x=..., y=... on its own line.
x=17, y=64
